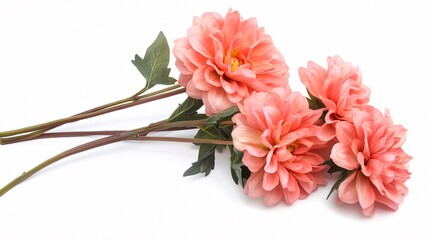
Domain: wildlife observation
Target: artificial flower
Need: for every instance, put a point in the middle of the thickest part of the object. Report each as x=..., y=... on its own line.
x=223, y=60
x=339, y=88
x=281, y=143
x=370, y=149
x=276, y=131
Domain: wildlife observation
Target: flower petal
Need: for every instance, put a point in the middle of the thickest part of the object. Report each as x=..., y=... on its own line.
x=345, y=132
x=365, y=192
x=247, y=139
x=215, y=101
x=368, y=211
x=271, y=165
x=283, y=176
x=199, y=80
x=292, y=192
x=326, y=132
x=343, y=156
x=273, y=197
x=270, y=181
x=253, y=186
x=201, y=42
x=253, y=163
x=347, y=191
x=212, y=77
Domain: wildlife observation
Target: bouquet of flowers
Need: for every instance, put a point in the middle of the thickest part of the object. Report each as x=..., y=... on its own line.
x=283, y=145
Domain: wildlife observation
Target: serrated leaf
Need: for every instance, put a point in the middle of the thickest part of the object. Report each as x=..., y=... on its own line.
x=187, y=110
x=341, y=179
x=205, y=163
x=206, y=154
x=226, y=114
x=154, y=65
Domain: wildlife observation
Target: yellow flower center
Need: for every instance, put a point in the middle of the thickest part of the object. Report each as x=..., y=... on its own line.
x=292, y=147
x=234, y=60
x=235, y=63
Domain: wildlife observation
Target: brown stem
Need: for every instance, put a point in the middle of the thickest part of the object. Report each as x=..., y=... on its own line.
x=97, y=143
x=188, y=140
x=95, y=133
x=53, y=124
x=224, y=123
x=92, y=133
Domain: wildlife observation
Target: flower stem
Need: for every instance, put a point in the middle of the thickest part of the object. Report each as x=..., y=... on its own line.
x=39, y=129
x=132, y=134
x=141, y=137
x=87, y=133
x=132, y=98
x=96, y=133
x=187, y=140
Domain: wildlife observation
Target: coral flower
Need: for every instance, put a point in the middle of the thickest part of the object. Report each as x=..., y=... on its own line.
x=339, y=88
x=223, y=60
x=276, y=132
x=371, y=149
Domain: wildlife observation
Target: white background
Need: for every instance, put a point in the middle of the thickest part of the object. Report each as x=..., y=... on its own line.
x=58, y=58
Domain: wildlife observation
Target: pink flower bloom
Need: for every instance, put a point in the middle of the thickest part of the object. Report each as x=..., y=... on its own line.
x=339, y=88
x=276, y=132
x=223, y=60
x=371, y=148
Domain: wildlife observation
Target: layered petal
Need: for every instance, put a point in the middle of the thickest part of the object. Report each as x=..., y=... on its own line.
x=378, y=167
x=223, y=60
x=276, y=131
x=339, y=88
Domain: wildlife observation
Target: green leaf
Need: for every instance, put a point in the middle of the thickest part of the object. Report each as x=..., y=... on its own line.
x=205, y=163
x=170, y=80
x=215, y=132
x=245, y=174
x=226, y=114
x=187, y=111
x=314, y=102
x=341, y=179
x=206, y=155
x=240, y=173
x=154, y=65
x=236, y=164
x=193, y=170
x=208, y=132
x=333, y=167
x=224, y=131
x=205, y=151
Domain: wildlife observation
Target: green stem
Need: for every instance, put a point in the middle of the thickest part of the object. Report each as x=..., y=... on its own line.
x=170, y=88
x=41, y=128
x=135, y=96
x=98, y=143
